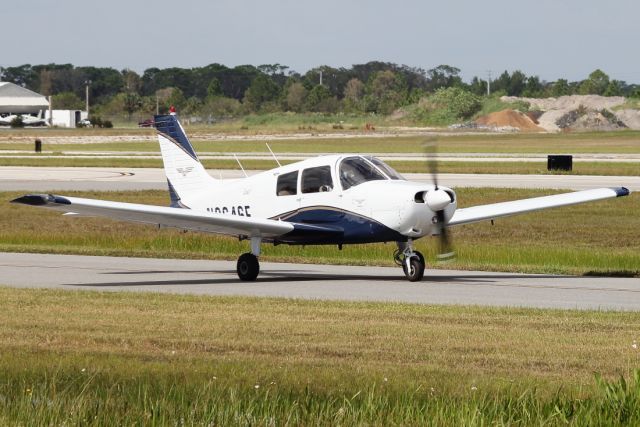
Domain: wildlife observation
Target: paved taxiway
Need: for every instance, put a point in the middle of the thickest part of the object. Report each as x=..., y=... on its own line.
x=318, y=282
x=50, y=179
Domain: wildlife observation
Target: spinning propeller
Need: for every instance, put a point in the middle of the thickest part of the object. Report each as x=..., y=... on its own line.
x=438, y=200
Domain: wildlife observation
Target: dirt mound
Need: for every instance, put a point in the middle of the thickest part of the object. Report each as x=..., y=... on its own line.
x=554, y=112
x=509, y=118
x=631, y=118
x=570, y=102
x=581, y=119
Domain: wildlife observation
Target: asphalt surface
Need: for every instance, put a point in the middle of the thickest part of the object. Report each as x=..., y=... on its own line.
x=323, y=282
x=50, y=179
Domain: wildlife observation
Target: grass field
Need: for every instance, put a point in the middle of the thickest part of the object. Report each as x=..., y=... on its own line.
x=90, y=358
x=595, y=238
x=562, y=143
x=540, y=168
x=571, y=143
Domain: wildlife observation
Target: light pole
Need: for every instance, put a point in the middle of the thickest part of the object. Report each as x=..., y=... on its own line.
x=488, y=82
x=87, y=83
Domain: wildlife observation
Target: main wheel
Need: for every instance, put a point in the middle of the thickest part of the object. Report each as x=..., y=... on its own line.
x=248, y=267
x=415, y=272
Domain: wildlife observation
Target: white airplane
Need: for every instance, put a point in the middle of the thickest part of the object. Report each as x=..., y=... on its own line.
x=6, y=120
x=327, y=200
x=27, y=120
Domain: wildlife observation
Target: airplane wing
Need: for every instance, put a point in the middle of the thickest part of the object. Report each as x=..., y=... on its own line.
x=497, y=210
x=179, y=218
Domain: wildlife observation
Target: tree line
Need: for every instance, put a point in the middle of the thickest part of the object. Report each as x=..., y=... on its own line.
x=218, y=90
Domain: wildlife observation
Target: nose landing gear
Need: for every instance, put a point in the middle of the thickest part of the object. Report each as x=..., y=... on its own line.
x=412, y=262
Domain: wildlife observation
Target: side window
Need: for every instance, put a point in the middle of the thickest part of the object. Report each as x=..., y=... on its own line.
x=317, y=180
x=287, y=184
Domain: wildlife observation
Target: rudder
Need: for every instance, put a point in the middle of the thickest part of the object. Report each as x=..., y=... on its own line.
x=185, y=174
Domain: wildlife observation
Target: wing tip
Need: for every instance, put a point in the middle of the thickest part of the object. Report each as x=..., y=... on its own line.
x=41, y=200
x=621, y=191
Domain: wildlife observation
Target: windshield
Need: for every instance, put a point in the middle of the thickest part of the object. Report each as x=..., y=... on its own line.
x=388, y=170
x=356, y=170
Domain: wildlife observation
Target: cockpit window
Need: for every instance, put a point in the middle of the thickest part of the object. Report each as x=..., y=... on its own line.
x=391, y=172
x=356, y=170
x=287, y=184
x=317, y=180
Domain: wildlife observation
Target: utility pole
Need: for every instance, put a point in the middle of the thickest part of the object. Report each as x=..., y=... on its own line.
x=87, y=83
x=488, y=82
x=50, y=111
x=157, y=104
x=320, y=77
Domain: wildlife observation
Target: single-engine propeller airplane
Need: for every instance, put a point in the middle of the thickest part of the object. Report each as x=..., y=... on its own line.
x=326, y=200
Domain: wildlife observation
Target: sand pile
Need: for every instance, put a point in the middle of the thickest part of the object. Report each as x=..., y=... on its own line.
x=557, y=113
x=570, y=102
x=509, y=118
x=629, y=117
x=591, y=120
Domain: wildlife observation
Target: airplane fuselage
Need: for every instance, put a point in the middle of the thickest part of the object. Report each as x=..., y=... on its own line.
x=377, y=210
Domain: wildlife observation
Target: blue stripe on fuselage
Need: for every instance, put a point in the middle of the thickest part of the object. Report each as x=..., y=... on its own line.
x=343, y=227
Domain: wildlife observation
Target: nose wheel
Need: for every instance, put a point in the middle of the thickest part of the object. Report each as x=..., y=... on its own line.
x=412, y=262
x=414, y=267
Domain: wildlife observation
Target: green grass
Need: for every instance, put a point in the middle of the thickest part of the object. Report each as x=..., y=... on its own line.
x=594, y=238
x=630, y=103
x=538, y=168
x=494, y=104
x=626, y=141
x=302, y=122
x=92, y=358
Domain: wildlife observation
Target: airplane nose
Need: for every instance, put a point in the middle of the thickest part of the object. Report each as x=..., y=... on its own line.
x=437, y=200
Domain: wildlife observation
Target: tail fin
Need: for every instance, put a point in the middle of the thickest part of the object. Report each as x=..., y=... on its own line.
x=186, y=176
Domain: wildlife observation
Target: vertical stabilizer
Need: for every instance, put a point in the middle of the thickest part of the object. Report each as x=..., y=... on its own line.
x=186, y=176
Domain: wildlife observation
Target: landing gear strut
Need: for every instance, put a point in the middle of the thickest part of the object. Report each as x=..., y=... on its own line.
x=248, y=266
x=412, y=262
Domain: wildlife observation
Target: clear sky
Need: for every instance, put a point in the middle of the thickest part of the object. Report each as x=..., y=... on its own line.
x=550, y=38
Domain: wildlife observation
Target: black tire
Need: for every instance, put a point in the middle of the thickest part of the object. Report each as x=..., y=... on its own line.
x=248, y=267
x=420, y=257
x=416, y=269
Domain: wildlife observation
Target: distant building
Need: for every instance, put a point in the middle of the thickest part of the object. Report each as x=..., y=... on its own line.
x=66, y=118
x=18, y=100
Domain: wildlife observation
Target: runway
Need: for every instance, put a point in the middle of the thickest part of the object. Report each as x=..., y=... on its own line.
x=56, y=179
x=322, y=282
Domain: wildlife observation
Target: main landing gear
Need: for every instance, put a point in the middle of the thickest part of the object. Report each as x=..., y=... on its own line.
x=412, y=262
x=248, y=266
